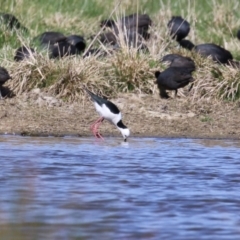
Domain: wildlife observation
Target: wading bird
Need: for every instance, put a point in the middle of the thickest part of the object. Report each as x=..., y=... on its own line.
x=109, y=111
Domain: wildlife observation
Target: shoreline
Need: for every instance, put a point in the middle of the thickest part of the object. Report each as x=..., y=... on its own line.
x=74, y=135
x=145, y=115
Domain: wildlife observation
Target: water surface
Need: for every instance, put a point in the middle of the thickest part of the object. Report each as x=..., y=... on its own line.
x=148, y=188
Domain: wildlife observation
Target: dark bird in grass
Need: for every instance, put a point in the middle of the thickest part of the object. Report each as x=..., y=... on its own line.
x=138, y=23
x=60, y=45
x=23, y=53
x=135, y=40
x=132, y=26
x=4, y=76
x=11, y=22
x=173, y=78
x=109, y=111
x=49, y=38
x=107, y=23
x=62, y=49
x=217, y=53
x=77, y=41
x=108, y=38
x=131, y=39
x=178, y=27
x=177, y=60
x=187, y=44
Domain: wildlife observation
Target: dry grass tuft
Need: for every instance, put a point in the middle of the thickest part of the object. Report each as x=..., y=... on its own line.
x=63, y=78
x=214, y=81
x=129, y=69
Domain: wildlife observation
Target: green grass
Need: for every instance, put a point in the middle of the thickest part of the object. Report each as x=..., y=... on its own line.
x=40, y=15
x=206, y=119
x=211, y=21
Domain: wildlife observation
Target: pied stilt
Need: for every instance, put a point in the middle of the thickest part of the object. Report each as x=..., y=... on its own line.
x=109, y=111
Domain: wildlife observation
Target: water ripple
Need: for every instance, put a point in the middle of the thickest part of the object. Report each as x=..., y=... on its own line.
x=150, y=188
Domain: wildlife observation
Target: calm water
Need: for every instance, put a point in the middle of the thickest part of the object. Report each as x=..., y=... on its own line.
x=148, y=188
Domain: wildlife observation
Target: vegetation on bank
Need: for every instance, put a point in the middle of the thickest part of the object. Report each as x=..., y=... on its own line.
x=126, y=69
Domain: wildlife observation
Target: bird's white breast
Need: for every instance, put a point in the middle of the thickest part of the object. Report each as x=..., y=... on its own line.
x=107, y=114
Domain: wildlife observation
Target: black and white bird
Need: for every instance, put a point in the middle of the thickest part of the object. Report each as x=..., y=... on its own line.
x=109, y=111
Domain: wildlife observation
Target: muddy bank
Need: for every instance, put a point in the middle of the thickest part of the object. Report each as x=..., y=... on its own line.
x=36, y=113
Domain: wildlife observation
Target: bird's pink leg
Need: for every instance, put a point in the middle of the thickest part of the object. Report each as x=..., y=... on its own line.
x=94, y=128
x=98, y=135
x=98, y=120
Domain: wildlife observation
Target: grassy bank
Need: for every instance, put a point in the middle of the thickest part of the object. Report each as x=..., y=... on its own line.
x=127, y=70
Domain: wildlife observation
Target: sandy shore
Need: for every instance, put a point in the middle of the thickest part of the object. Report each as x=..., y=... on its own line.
x=146, y=115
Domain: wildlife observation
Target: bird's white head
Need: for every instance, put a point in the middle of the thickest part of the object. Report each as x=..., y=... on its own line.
x=125, y=132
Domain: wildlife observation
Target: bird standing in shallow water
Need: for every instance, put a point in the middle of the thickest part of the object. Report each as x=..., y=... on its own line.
x=109, y=111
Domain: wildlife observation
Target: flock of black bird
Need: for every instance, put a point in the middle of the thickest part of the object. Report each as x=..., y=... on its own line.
x=136, y=33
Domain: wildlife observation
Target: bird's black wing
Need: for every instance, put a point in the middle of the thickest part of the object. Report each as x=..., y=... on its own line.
x=184, y=76
x=113, y=108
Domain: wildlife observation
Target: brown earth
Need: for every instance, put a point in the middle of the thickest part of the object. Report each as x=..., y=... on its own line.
x=36, y=113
